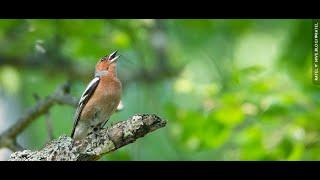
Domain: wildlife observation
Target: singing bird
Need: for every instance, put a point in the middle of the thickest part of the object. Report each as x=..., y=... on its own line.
x=99, y=100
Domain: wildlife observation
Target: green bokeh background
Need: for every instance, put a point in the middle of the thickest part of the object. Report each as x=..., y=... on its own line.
x=229, y=89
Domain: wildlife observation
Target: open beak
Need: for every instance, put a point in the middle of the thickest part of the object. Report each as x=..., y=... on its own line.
x=113, y=57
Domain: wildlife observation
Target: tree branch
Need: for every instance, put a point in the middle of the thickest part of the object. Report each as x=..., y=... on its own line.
x=8, y=137
x=60, y=96
x=79, y=71
x=50, y=64
x=95, y=145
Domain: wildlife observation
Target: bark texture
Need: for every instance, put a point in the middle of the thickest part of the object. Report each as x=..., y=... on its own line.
x=95, y=145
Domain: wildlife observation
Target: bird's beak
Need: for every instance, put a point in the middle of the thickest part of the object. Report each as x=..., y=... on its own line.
x=113, y=57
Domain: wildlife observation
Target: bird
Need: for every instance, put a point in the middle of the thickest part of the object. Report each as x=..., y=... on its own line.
x=99, y=100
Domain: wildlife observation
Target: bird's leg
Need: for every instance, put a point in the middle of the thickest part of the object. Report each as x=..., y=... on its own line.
x=96, y=130
x=104, y=123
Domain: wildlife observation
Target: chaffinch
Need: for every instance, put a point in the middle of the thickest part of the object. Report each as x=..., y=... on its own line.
x=99, y=100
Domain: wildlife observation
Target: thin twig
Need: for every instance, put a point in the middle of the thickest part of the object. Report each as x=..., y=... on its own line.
x=8, y=137
x=49, y=127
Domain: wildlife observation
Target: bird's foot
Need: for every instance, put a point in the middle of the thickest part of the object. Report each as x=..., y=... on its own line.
x=96, y=131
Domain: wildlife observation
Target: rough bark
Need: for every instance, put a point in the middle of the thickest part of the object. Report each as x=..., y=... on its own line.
x=95, y=145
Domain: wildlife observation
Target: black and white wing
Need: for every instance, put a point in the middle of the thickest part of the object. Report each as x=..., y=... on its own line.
x=84, y=99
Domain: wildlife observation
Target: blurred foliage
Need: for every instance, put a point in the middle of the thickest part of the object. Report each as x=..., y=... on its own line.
x=230, y=89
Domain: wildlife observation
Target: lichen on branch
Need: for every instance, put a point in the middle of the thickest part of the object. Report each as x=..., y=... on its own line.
x=94, y=146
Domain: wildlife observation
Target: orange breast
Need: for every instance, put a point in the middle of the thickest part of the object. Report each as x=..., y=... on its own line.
x=103, y=102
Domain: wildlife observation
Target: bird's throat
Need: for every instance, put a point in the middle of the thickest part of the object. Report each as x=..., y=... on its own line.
x=101, y=73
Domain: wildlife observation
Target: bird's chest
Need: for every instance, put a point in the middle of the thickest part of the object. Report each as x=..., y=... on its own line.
x=105, y=105
x=104, y=109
